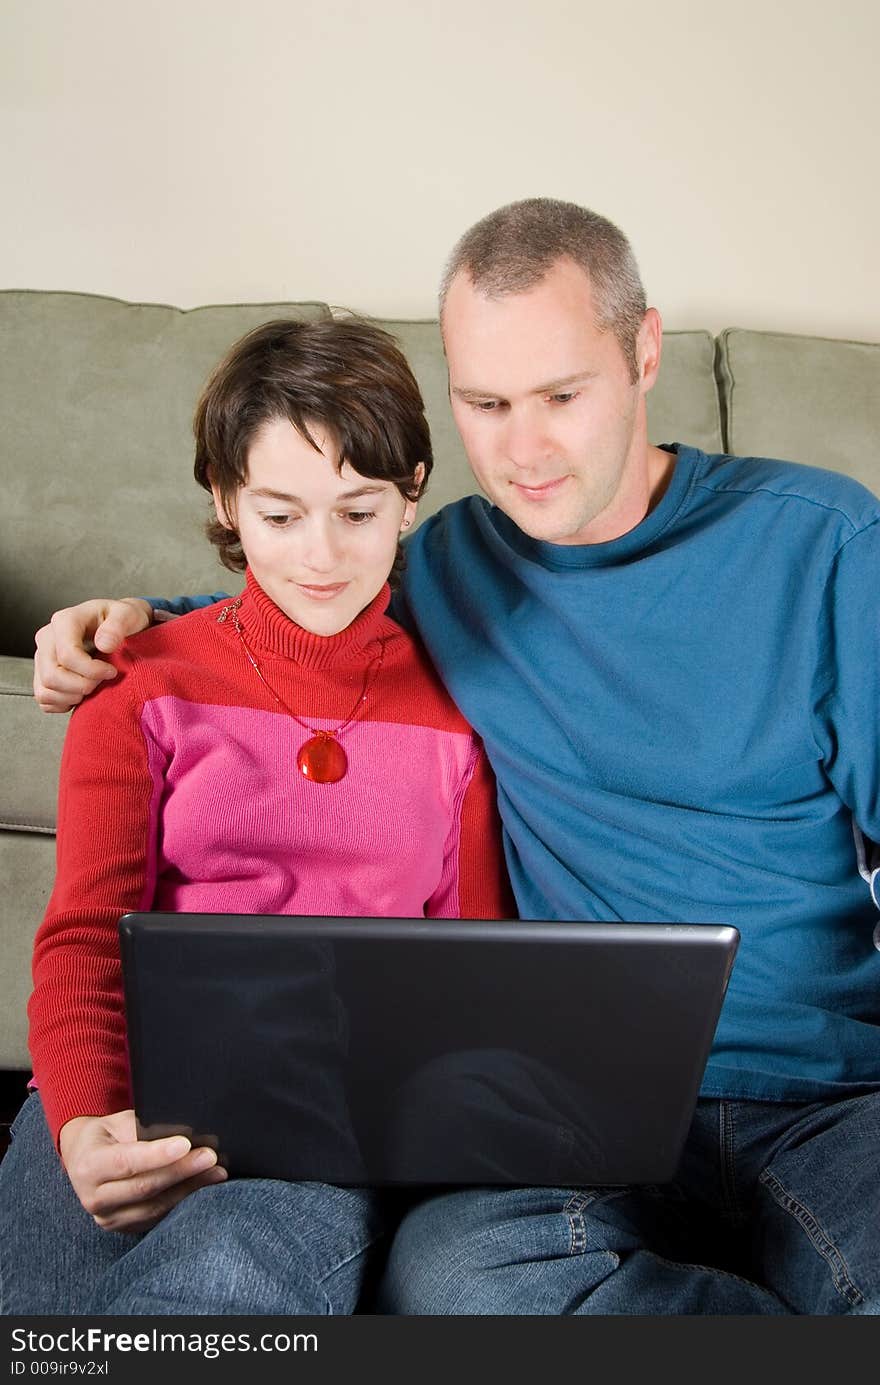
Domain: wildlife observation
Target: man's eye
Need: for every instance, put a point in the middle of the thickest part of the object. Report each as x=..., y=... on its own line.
x=486, y=406
x=564, y=397
x=360, y=516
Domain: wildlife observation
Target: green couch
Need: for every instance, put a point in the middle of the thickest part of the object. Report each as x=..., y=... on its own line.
x=98, y=498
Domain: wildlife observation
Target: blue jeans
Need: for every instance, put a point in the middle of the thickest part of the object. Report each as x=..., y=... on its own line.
x=247, y=1246
x=775, y=1209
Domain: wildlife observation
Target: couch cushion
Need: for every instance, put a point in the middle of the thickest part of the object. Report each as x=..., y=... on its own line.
x=805, y=399
x=97, y=397
x=30, y=752
x=683, y=405
x=27, y=869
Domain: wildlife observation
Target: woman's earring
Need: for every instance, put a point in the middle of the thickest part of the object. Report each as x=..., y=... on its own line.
x=406, y=523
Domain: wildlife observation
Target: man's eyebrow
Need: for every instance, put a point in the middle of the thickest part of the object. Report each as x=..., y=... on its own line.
x=555, y=386
x=551, y=386
x=265, y=493
x=472, y=394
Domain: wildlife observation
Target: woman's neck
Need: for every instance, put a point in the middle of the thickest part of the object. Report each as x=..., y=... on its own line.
x=274, y=633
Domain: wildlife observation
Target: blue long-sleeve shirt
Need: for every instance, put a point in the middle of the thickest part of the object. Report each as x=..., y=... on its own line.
x=683, y=727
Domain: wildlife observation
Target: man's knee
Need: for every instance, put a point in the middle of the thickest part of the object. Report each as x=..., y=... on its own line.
x=482, y=1252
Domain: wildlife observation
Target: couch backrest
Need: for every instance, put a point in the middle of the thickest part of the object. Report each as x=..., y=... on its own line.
x=807, y=399
x=97, y=395
x=97, y=398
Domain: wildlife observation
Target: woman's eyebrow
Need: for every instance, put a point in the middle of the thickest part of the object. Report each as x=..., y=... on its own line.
x=266, y=493
x=375, y=488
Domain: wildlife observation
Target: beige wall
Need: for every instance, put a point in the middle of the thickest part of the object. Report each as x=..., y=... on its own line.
x=192, y=151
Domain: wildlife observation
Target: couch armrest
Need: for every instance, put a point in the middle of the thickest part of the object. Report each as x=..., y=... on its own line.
x=30, y=752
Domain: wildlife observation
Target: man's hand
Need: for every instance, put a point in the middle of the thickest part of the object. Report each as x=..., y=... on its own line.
x=127, y=1184
x=64, y=671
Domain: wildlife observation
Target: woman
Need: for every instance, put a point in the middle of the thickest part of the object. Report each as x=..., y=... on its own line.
x=291, y=751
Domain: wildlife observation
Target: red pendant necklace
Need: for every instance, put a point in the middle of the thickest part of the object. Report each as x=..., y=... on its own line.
x=321, y=758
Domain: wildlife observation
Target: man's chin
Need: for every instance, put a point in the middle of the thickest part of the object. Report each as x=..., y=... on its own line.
x=548, y=528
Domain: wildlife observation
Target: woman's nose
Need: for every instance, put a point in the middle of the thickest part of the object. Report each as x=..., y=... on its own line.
x=321, y=548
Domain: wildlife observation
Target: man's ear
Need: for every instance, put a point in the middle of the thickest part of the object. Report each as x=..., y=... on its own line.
x=649, y=345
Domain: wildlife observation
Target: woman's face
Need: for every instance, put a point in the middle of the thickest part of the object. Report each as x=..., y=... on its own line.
x=320, y=542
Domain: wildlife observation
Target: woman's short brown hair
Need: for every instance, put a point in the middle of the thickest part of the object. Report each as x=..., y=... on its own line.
x=345, y=376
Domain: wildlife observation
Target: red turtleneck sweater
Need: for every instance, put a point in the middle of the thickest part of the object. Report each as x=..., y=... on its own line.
x=180, y=791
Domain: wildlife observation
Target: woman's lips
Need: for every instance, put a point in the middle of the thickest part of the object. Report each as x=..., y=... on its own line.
x=322, y=593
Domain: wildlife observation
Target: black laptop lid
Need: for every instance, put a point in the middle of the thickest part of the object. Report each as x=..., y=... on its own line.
x=406, y=1051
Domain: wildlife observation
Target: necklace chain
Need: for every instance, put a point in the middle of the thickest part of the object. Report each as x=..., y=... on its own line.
x=370, y=676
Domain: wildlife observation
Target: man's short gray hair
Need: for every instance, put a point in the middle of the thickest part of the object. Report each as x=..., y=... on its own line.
x=512, y=249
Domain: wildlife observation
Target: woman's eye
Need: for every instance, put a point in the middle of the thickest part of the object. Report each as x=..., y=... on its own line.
x=279, y=521
x=565, y=397
x=360, y=516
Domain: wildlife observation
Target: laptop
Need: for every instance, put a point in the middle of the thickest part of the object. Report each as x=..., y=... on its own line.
x=404, y=1052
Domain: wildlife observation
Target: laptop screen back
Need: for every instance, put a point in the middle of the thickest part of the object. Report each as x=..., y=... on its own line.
x=410, y=1052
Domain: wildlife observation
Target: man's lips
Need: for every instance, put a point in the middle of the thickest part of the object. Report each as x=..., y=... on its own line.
x=545, y=491
x=322, y=592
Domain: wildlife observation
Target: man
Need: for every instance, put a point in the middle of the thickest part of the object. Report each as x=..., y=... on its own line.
x=673, y=662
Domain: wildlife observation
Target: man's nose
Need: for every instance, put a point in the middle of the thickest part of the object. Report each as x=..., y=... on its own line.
x=525, y=438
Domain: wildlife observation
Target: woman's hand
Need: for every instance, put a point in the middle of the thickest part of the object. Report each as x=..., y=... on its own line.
x=127, y=1184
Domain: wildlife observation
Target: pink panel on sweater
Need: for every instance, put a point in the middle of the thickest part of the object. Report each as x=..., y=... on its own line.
x=242, y=831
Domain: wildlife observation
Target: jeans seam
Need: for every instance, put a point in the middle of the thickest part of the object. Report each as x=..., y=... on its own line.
x=820, y=1240
x=574, y=1209
x=727, y=1133
x=577, y=1226
x=577, y=1233
x=578, y=1201
x=715, y=1269
x=356, y=1254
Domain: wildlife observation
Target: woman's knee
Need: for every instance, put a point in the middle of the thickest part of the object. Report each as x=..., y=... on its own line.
x=51, y=1250
x=250, y=1246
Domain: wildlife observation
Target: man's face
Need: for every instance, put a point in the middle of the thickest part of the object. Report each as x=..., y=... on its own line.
x=552, y=423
